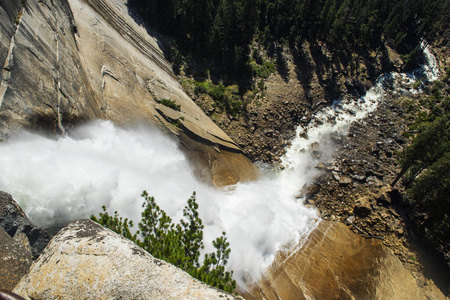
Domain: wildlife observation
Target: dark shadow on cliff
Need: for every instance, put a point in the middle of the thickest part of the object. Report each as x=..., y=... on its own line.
x=133, y=12
x=435, y=266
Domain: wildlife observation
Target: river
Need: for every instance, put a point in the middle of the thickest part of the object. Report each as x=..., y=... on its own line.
x=56, y=180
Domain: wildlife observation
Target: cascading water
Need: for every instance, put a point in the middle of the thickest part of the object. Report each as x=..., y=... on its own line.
x=58, y=180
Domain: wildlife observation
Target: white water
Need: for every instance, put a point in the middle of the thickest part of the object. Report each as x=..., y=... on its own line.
x=100, y=164
x=57, y=180
x=431, y=68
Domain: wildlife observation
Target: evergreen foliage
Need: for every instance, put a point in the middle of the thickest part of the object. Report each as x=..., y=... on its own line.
x=179, y=244
x=426, y=166
x=219, y=33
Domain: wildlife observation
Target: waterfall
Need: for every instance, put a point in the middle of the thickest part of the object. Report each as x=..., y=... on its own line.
x=58, y=180
x=431, y=69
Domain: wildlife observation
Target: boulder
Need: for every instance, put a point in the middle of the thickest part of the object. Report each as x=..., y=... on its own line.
x=373, y=180
x=308, y=191
x=335, y=263
x=14, y=221
x=312, y=190
x=88, y=261
x=362, y=207
x=384, y=195
x=15, y=260
x=345, y=180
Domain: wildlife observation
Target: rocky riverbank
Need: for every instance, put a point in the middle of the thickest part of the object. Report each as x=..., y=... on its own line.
x=302, y=85
x=355, y=189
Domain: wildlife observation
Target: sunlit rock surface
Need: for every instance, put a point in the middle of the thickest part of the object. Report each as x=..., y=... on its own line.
x=65, y=62
x=87, y=261
x=335, y=263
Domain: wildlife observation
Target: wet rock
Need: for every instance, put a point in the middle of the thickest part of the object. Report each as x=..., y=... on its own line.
x=314, y=146
x=14, y=220
x=321, y=166
x=304, y=135
x=308, y=191
x=362, y=207
x=337, y=139
x=316, y=154
x=312, y=190
x=334, y=263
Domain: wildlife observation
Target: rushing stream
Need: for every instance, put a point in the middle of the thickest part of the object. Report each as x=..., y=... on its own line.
x=58, y=180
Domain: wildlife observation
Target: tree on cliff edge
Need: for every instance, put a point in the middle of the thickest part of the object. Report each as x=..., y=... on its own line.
x=178, y=244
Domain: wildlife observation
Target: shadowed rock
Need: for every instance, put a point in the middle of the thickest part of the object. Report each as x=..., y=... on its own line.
x=14, y=221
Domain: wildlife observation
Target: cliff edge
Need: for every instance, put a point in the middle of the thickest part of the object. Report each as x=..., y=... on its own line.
x=68, y=62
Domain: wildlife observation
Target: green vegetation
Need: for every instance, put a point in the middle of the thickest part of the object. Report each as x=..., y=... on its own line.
x=217, y=34
x=262, y=69
x=426, y=164
x=170, y=103
x=242, y=42
x=179, y=244
x=225, y=97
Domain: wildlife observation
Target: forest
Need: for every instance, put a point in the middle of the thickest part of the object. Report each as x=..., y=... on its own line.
x=217, y=34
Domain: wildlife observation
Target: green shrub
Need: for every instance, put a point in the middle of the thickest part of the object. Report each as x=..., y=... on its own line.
x=179, y=244
x=224, y=97
x=170, y=103
x=201, y=87
x=261, y=85
x=217, y=92
x=270, y=66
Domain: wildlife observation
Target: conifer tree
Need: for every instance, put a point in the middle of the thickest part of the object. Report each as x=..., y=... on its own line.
x=178, y=244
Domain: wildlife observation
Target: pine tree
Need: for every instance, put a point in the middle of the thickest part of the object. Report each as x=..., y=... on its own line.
x=178, y=244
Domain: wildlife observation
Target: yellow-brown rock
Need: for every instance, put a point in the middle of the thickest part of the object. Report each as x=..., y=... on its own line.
x=87, y=261
x=69, y=61
x=15, y=259
x=335, y=263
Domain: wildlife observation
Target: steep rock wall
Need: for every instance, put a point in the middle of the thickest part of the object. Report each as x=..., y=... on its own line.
x=68, y=62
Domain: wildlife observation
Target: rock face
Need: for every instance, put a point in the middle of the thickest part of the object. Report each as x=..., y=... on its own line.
x=15, y=221
x=334, y=263
x=65, y=62
x=87, y=261
x=15, y=261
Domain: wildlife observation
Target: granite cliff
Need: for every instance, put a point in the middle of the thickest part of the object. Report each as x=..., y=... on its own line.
x=67, y=62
